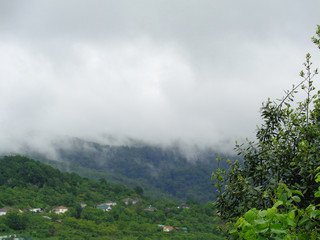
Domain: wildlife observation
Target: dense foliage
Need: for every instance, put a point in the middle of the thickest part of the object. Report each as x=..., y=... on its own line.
x=27, y=184
x=284, y=220
x=285, y=156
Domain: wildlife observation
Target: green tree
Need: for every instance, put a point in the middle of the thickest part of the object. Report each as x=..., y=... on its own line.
x=287, y=149
x=16, y=221
x=138, y=190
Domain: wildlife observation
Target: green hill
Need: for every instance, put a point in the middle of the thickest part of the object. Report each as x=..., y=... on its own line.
x=27, y=184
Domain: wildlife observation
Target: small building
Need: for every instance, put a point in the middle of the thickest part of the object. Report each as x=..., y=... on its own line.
x=4, y=211
x=106, y=208
x=83, y=205
x=184, y=205
x=35, y=210
x=127, y=201
x=167, y=229
x=13, y=237
x=60, y=209
x=136, y=200
x=132, y=201
x=110, y=203
x=151, y=209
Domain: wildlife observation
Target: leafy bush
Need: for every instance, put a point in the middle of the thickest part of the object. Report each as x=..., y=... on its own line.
x=284, y=220
x=287, y=149
x=255, y=194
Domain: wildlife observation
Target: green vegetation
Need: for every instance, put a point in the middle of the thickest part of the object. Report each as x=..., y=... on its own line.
x=274, y=192
x=26, y=184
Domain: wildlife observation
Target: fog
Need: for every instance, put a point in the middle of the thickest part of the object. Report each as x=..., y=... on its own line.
x=159, y=72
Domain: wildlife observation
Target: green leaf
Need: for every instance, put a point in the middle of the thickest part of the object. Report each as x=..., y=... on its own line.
x=317, y=194
x=271, y=212
x=251, y=214
x=290, y=222
x=277, y=204
x=262, y=213
x=297, y=192
x=315, y=214
x=303, y=220
x=277, y=229
x=296, y=199
x=250, y=235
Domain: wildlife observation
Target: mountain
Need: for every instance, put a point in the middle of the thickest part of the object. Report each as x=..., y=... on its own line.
x=161, y=172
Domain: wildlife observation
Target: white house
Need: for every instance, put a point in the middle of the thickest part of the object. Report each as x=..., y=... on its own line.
x=35, y=210
x=59, y=210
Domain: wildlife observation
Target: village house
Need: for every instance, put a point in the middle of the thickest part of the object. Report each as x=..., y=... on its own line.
x=167, y=229
x=35, y=210
x=132, y=201
x=3, y=211
x=184, y=205
x=13, y=237
x=83, y=205
x=110, y=203
x=127, y=201
x=106, y=206
x=151, y=209
x=60, y=209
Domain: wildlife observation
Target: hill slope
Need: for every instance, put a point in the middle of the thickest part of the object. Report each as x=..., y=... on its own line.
x=161, y=172
x=26, y=184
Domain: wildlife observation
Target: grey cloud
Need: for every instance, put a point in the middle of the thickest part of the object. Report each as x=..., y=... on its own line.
x=152, y=70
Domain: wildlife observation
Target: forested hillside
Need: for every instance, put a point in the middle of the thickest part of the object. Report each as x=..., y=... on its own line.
x=27, y=185
x=161, y=172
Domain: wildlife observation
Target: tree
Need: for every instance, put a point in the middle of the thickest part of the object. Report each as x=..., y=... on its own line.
x=16, y=221
x=138, y=190
x=287, y=150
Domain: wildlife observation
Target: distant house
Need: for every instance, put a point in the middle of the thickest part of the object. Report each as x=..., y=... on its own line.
x=110, y=203
x=14, y=237
x=60, y=209
x=35, y=210
x=167, y=229
x=184, y=205
x=127, y=201
x=130, y=200
x=151, y=209
x=3, y=211
x=136, y=200
x=83, y=205
x=105, y=208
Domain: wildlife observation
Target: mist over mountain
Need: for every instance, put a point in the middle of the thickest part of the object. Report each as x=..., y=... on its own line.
x=178, y=172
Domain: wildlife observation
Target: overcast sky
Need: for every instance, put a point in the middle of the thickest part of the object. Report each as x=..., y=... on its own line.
x=158, y=71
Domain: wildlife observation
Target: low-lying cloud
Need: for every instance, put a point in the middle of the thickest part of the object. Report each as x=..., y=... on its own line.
x=158, y=72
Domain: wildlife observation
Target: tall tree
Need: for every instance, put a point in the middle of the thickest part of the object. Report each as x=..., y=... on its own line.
x=286, y=149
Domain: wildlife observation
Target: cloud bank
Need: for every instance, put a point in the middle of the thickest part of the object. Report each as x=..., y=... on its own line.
x=159, y=72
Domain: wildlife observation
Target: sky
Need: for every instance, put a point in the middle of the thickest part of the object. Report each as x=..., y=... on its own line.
x=157, y=71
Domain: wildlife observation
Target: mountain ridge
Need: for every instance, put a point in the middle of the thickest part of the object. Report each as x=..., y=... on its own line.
x=163, y=172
